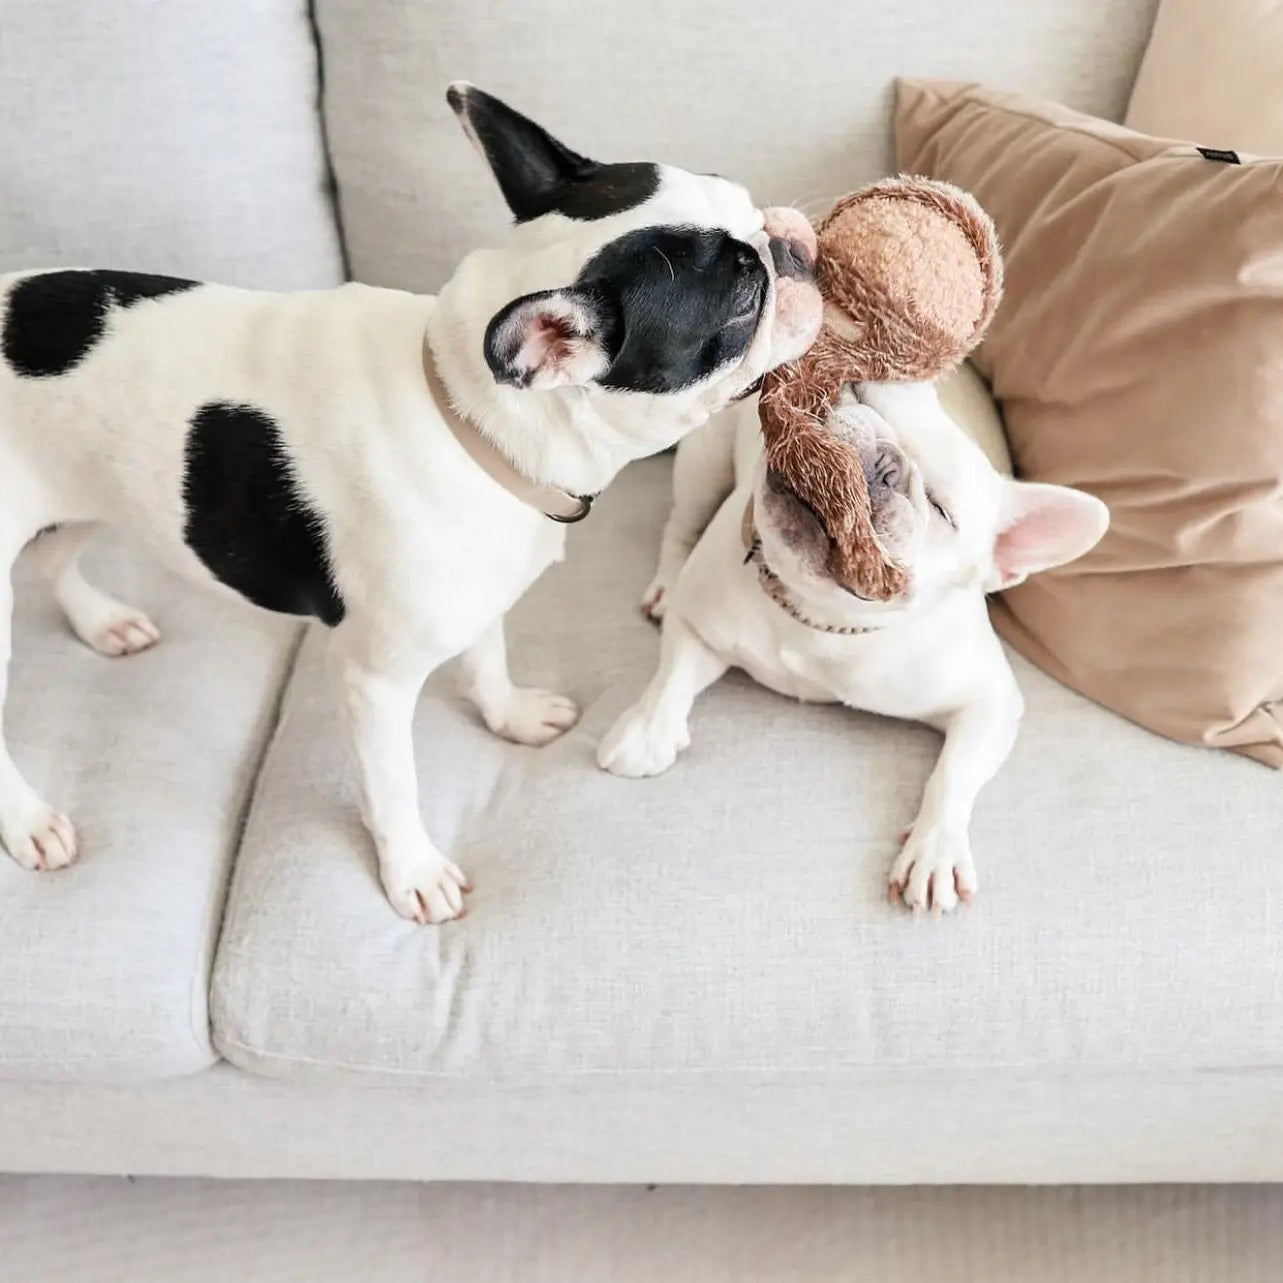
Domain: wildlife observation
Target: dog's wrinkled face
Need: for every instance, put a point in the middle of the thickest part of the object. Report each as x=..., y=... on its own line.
x=651, y=279
x=938, y=506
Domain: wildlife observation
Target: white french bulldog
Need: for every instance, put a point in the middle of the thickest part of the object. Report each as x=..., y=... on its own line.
x=747, y=586
x=385, y=462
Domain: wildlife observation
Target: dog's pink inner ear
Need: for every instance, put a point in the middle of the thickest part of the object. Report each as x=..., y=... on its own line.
x=547, y=340
x=555, y=351
x=1044, y=526
x=550, y=342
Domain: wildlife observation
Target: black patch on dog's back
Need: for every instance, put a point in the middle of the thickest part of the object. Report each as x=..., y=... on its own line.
x=54, y=319
x=246, y=518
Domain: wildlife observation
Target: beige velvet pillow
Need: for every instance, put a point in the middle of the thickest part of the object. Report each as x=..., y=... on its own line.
x=1213, y=73
x=1138, y=354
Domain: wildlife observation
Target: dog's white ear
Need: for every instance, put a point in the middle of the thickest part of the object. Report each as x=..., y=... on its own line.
x=550, y=340
x=1041, y=526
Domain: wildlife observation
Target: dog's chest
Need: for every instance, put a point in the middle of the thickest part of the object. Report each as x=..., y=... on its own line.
x=861, y=672
x=791, y=672
x=445, y=565
x=821, y=668
x=881, y=674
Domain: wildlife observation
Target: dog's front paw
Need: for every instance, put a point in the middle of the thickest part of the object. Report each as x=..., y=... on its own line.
x=38, y=837
x=535, y=717
x=934, y=870
x=423, y=885
x=638, y=745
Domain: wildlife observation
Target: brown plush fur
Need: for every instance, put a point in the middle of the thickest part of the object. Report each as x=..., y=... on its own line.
x=823, y=469
x=913, y=265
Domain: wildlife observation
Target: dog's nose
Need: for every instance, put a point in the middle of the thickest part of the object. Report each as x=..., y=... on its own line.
x=890, y=468
x=790, y=225
x=791, y=258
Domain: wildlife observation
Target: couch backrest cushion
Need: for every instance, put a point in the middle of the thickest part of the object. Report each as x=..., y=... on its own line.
x=181, y=137
x=793, y=100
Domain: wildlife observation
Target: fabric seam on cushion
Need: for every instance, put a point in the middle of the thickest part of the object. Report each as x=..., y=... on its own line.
x=331, y=175
x=575, y=1075
x=216, y=910
x=1179, y=149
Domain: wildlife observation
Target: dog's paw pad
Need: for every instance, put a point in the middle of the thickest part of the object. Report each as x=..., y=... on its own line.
x=42, y=839
x=124, y=634
x=426, y=889
x=536, y=717
x=933, y=872
x=637, y=746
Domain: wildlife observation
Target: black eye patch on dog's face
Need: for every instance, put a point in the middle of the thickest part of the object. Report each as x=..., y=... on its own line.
x=539, y=175
x=687, y=300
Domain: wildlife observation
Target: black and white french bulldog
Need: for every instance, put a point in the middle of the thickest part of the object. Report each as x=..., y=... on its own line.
x=397, y=466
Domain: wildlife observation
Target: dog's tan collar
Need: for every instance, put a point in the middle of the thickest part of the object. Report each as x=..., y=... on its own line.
x=773, y=586
x=555, y=504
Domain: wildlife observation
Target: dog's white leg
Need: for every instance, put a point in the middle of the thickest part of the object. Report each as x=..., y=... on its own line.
x=523, y=714
x=378, y=702
x=36, y=835
x=703, y=475
x=647, y=737
x=935, y=868
x=108, y=625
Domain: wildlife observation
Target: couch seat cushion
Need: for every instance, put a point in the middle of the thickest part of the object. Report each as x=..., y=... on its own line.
x=104, y=966
x=730, y=917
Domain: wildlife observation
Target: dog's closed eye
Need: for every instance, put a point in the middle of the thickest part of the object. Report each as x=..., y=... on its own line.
x=748, y=302
x=800, y=507
x=815, y=516
x=942, y=512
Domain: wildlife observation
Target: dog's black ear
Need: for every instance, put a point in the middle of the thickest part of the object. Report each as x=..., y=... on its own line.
x=552, y=339
x=530, y=164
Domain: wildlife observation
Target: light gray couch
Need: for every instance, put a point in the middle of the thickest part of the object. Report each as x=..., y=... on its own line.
x=695, y=978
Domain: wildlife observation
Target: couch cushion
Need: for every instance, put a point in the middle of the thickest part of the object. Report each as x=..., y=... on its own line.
x=730, y=917
x=104, y=966
x=182, y=137
x=929, y=1128
x=720, y=86
x=1212, y=72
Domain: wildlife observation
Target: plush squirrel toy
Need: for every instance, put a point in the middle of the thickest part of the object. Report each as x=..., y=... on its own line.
x=911, y=274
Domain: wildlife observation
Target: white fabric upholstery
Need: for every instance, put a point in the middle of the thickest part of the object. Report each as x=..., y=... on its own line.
x=728, y=921
x=117, y=1230
x=909, y=1128
x=180, y=137
x=104, y=967
x=793, y=101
